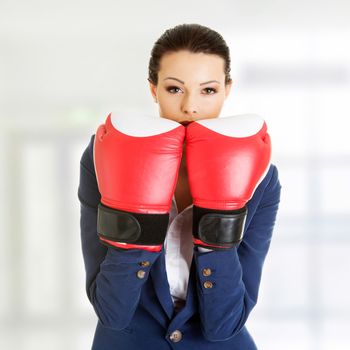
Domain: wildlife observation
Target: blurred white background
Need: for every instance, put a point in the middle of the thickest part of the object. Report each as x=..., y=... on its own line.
x=64, y=65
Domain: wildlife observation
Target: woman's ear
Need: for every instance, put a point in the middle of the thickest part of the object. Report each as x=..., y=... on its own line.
x=153, y=89
x=228, y=89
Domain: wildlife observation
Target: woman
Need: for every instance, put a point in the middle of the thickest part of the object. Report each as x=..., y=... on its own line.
x=185, y=291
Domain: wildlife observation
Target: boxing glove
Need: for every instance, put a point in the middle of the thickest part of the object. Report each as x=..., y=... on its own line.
x=226, y=160
x=136, y=159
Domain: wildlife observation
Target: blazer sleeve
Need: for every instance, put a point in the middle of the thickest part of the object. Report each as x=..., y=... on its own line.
x=236, y=273
x=113, y=281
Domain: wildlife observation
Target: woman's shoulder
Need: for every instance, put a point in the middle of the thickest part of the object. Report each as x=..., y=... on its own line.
x=273, y=179
x=88, y=192
x=87, y=158
x=272, y=174
x=270, y=185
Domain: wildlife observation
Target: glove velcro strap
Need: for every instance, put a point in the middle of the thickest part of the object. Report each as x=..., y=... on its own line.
x=219, y=228
x=127, y=227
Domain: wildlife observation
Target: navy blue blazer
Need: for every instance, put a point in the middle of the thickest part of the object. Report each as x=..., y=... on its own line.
x=136, y=312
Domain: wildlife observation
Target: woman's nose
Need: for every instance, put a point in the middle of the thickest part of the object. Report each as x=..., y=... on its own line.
x=190, y=113
x=189, y=107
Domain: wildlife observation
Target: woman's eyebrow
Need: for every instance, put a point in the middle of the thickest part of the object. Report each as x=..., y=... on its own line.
x=182, y=82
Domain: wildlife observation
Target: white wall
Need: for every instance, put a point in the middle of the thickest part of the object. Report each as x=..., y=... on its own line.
x=65, y=64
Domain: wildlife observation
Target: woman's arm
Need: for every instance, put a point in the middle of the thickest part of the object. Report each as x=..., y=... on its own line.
x=113, y=277
x=227, y=301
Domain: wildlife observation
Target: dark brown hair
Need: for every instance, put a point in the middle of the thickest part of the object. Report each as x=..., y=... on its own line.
x=193, y=37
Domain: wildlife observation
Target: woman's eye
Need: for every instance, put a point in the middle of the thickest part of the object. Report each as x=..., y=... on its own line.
x=172, y=88
x=210, y=93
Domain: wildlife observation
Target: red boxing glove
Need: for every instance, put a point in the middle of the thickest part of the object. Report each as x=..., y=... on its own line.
x=137, y=159
x=226, y=160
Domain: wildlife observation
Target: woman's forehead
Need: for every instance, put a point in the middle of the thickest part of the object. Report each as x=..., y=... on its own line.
x=183, y=65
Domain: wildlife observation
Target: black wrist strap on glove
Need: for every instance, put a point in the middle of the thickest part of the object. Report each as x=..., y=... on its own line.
x=127, y=227
x=221, y=229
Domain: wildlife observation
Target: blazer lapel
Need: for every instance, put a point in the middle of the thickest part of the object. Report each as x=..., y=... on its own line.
x=191, y=300
x=161, y=285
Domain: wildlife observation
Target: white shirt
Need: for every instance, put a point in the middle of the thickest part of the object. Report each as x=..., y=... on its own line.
x=178, y=245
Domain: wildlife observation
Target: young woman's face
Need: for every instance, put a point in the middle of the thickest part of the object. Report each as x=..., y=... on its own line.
x=191, y=86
